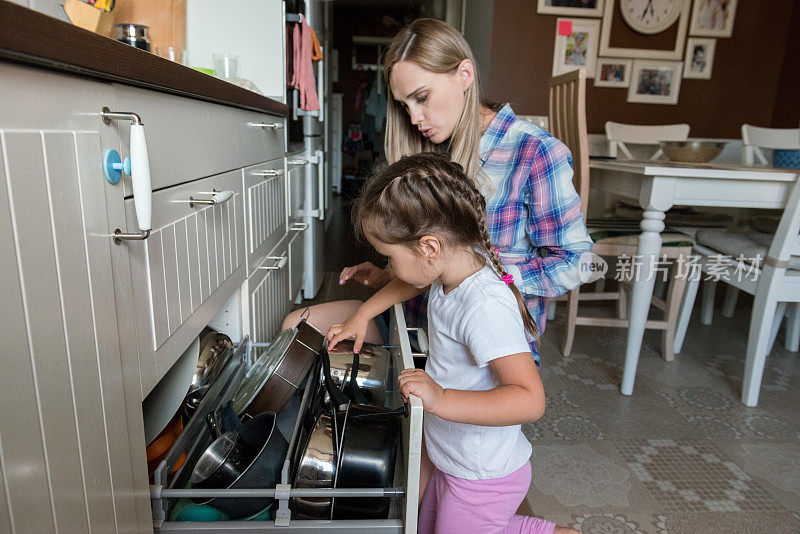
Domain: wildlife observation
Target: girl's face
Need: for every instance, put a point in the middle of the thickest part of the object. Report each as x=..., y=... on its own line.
x=412, y=267
x=434, y=101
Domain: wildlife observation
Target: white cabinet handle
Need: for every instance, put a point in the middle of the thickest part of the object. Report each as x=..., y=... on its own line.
x=280, y=263
x=217, y=197
x=140, y=175
x=268, y=173
x=299, y=227
x=296, y=161
x=321, y=87
x=270, y=125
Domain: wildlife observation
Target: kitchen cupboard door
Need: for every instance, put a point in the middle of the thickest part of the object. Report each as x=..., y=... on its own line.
x=265, y=208
x=295, y=186
x=189, y=139
x=268, y=295
x=296, y=250
x=66, y=456
x=193, y=261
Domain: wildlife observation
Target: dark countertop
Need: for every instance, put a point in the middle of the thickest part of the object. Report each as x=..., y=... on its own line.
x=32, y=38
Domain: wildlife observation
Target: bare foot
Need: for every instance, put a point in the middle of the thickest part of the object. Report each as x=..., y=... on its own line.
x=565, y=530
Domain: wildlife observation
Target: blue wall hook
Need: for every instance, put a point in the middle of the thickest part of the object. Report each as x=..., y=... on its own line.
x=113, y=166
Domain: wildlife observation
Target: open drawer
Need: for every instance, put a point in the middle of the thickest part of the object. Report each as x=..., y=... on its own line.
x=405, y=491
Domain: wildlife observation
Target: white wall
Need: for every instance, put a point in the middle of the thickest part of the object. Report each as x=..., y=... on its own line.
x=250, y=29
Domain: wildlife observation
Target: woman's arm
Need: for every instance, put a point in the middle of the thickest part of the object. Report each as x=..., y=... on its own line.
x=518, y=399
x=555, y=224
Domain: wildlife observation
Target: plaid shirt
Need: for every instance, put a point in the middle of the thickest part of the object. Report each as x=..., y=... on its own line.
x=533, y=213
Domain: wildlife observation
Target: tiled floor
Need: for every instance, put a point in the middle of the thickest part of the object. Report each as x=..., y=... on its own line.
x=681, y=455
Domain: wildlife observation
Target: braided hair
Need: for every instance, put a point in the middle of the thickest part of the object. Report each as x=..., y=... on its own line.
x=427, y=194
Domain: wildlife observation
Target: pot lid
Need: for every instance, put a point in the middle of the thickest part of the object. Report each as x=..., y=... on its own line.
x=262, y=370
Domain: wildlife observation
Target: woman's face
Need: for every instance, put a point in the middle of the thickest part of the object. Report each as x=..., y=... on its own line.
x=433, y=101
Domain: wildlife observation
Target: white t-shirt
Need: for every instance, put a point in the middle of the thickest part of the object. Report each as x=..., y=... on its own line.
x=473, y=324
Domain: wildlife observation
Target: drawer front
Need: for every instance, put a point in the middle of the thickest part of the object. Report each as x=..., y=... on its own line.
x=296, y=249
x=296, y=185
x=265, y=200
x=189, y=139
x=193, y=260
x=268, y=294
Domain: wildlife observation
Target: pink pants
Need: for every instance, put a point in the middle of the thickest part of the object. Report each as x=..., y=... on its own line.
x=453, y=505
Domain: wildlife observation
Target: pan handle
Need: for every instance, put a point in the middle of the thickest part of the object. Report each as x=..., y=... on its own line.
x=338, y=398
x=352, y=389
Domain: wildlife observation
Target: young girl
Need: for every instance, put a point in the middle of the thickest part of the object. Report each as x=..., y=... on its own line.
x=532, y=210
x=480, y=383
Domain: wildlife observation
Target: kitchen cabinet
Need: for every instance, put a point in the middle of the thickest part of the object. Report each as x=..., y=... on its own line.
x=91, y=326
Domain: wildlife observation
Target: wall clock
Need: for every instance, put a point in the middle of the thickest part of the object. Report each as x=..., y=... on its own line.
x=650, y=16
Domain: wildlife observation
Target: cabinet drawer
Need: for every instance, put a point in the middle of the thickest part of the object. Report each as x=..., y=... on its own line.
x=295, y=185
x=265, y=200
x=296, y=250
x=189, y=139
x=191, y=263
x=268, y=295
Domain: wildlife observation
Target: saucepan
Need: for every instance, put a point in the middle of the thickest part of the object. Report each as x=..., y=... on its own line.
x=354, y=446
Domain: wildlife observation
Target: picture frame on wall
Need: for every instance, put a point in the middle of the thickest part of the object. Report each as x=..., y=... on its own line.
x=655, y=82
x=713, y=18
x=572, y=8
x=613, y=72
x=611, y=13
x=699, y=57
x=578, y=48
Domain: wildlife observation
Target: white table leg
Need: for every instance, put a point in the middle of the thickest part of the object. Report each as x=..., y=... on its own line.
x=643, y=282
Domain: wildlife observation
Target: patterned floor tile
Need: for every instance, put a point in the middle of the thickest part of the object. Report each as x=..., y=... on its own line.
x=773, y=522
x=605, y=524
x=693, y=476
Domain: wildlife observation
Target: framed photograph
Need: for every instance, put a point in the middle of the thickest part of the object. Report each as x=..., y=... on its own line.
x=623, y=32
x=655, y=82
x=699, y=57
x=713, y=18
x=573, y=8
x=578, y=49
x=612, y=72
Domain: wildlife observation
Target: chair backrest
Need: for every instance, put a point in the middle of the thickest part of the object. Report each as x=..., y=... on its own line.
x=618, y=134
x=755, y=138
x=567, y=116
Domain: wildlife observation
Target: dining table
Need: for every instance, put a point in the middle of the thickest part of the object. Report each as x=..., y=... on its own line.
x=656, y=186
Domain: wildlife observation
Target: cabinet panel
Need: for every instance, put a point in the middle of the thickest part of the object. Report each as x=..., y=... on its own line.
x=265, y=194
x=194, y=252
x=268, y=293
x=189, y=139
x=295, y=185
x=296, y=248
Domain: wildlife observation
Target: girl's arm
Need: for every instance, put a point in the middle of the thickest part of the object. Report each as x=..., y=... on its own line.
x=518, y=399
x=555, y=224
x=389, y=295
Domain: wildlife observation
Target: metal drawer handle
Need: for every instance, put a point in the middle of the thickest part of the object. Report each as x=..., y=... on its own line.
x=271, y=125
x=281, y=261
x=217, y=197
x=299, y=227
x=140, y=175
x=268, y=173
x=296, y=162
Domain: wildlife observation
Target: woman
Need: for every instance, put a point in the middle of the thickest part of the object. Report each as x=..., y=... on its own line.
x=533, y=211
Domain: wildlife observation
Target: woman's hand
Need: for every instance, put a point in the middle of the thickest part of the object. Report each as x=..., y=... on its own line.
x=419, y=383
x=354, y=327
x=367, y=274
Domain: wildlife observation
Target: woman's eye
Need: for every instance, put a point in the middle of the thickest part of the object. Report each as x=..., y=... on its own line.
x=421, y=99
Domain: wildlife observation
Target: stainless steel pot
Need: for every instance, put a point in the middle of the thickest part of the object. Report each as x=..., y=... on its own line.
x=316, y=470
x=373, y=369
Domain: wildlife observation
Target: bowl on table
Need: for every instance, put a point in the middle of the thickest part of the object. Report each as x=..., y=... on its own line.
x=692, y=151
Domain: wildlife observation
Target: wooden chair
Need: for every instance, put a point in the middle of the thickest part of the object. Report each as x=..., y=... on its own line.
x=618, y=134
x=612, y=237
x=774, y=282
x=754, y=139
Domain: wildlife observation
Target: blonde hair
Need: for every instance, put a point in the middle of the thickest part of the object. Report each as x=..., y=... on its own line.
x=436, y=47
x=426, y=194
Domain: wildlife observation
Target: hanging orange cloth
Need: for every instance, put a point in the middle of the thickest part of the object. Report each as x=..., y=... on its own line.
x=316, y=48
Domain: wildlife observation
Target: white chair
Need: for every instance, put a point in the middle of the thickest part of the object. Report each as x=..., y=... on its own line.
x=612, y=237
x=756, y=240
x=774, y=283
x=619, y=134
x=755, y=139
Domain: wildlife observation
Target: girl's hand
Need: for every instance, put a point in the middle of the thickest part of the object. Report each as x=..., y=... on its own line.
x=419, y=383
x=354, y=327
x=367, y=274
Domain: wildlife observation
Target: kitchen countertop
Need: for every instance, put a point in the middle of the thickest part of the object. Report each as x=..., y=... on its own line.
x=32, y=38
